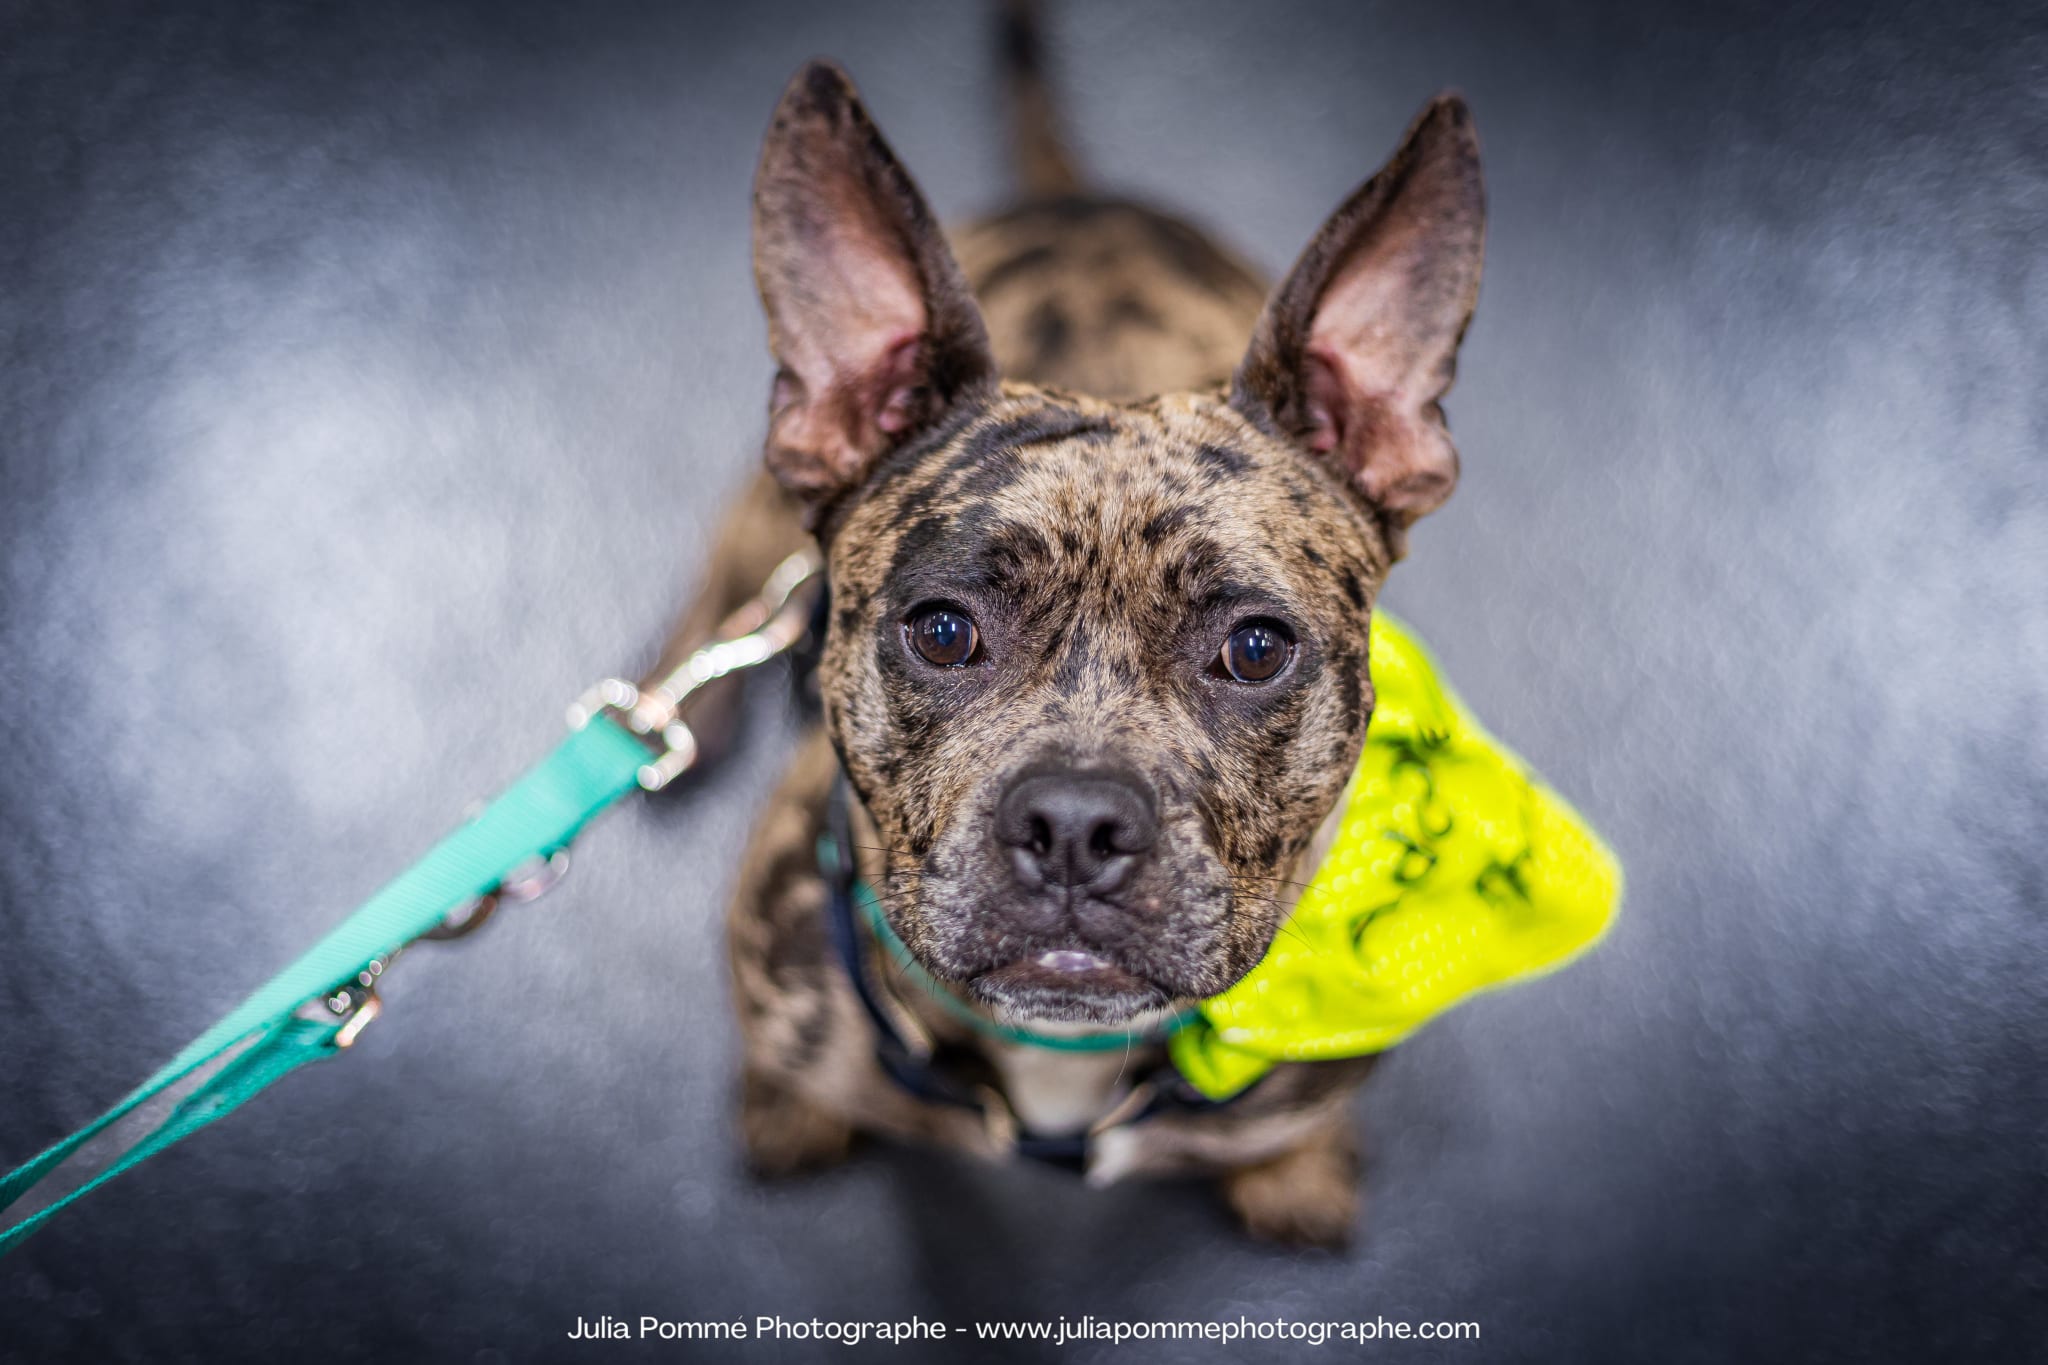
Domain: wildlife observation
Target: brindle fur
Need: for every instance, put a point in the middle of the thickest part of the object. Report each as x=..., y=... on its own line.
x=1105, y=544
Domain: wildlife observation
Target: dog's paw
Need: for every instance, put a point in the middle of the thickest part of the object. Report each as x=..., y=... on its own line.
x=784, y=1133
x=1307, y=1197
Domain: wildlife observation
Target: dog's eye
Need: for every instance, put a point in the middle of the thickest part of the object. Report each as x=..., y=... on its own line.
x=1256, y=651
x=944, y=636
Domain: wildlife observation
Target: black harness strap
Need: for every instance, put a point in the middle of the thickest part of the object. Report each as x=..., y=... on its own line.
x=897, y=1057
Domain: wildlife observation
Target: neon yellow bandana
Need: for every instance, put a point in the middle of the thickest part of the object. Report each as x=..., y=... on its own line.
x=1454, y=870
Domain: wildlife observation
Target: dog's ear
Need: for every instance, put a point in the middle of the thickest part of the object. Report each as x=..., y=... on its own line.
x=868, y=314
x=1360, y=342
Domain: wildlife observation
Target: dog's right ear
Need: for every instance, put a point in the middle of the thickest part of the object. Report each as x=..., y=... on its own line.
x=868, y=314
x=1358, y=345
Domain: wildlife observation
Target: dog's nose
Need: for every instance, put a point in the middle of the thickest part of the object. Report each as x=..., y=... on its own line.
x=1084, y=829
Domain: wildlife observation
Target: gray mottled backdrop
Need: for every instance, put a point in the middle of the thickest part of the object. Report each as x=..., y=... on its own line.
x=373, y=374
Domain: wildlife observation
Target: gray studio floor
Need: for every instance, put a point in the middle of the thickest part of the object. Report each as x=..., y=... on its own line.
x=373, y=376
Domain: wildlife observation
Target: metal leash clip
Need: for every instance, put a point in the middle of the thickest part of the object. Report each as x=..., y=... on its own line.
x=771, y=624
x=356, y=1002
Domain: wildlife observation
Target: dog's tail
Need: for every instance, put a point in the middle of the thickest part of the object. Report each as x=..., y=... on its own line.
x=1043, y=163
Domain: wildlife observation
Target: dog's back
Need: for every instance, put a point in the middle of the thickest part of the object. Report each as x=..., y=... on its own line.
x=1090, y=293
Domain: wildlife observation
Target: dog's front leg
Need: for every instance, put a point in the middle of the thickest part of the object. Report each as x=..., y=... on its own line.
x=1285, y=1155
x=1307, y=1195
x=782, y=1132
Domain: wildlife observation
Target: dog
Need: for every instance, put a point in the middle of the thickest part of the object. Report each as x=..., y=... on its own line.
x=1104, y=520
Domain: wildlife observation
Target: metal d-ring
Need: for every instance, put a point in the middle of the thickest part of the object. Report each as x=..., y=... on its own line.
x=527, y=881
x=356, y=1003
x=464, y=920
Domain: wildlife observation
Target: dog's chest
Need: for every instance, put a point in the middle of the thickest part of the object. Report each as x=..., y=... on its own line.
x=1054, y=1094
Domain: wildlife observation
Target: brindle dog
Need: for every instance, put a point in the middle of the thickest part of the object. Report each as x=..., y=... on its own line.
x=1095, y=669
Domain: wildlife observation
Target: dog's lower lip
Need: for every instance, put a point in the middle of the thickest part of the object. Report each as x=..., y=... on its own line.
x=1067, y=984
x=1064, y=970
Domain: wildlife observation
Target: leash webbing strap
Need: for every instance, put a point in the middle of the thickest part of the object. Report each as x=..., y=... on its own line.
x=538, y=815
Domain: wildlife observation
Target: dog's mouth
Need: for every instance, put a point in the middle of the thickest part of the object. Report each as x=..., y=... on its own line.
x=1067, y=985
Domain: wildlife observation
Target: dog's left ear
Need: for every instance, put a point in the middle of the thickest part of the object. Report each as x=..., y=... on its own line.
x=1358, y=345
x=868, y=314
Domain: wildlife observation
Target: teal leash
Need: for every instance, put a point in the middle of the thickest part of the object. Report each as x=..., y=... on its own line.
x=539, y=815
x=624, y=739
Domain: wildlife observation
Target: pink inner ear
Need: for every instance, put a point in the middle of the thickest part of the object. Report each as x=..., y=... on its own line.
x=896, y=381
x=1396, y=457
x=1347, y=419
x=1365, y=375
x=1326, y=403
x=1366, y=332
